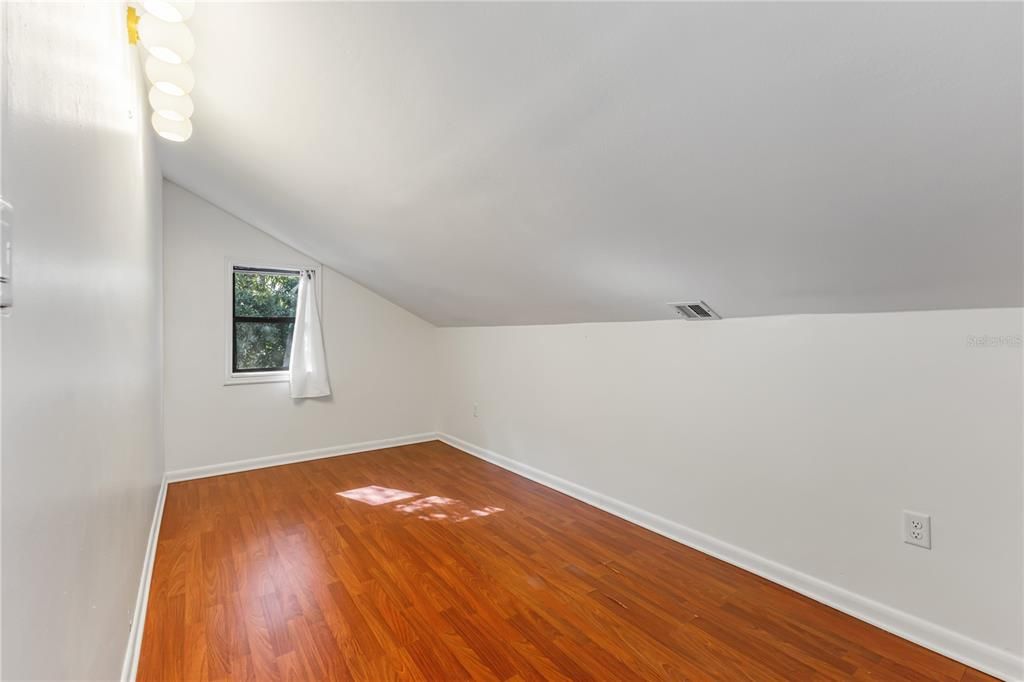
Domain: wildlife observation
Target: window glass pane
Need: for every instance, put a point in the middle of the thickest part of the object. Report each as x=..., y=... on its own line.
x=265, y=295
x=264, y=313
x=263, y=345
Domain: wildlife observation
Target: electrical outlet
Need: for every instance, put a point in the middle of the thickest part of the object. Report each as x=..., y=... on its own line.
x=917, y=529
x=476, y=410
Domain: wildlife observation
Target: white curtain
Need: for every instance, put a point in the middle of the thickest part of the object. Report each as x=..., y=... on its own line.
x=308, y=366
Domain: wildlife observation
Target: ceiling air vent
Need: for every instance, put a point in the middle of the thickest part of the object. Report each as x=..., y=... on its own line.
x=696, y=310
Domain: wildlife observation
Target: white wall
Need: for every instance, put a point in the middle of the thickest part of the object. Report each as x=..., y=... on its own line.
x=81, y=381
x=380, y=358
x=799, y=439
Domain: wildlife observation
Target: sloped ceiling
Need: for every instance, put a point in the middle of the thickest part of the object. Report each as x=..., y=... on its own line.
x=537, y=163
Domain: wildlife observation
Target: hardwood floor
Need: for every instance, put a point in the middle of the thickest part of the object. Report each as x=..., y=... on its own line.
x=422, y=562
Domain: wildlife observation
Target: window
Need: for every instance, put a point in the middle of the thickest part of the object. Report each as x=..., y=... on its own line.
x=263, y=302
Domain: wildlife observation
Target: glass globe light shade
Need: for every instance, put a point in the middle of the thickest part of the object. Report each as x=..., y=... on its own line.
x=171, y=43
x=171, y=11
x=169, y=129
x=174, y=107
x=173, y=79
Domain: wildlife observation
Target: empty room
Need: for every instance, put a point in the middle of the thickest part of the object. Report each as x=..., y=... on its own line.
x=515, y=341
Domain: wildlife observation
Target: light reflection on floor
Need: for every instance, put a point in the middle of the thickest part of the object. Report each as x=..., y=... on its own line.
x=432, y=508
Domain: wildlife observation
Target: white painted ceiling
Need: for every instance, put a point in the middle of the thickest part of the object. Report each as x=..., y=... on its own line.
x=537, y=163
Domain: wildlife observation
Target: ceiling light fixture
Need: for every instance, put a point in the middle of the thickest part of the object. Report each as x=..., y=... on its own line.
x=169, y=42
x=174, y=107
x=174, y=79
x=169, y=129
x=171, y=11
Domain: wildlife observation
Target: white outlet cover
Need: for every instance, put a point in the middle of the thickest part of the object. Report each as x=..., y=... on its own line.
x=917, y=529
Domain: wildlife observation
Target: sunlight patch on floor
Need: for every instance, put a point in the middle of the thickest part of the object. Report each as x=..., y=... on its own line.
x=375, y=495
x=436, y=508
x=432, y=508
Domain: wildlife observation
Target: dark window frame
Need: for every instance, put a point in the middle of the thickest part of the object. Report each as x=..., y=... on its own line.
x=236, y=318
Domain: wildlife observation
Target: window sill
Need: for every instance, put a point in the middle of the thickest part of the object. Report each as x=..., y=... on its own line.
x=255, y=378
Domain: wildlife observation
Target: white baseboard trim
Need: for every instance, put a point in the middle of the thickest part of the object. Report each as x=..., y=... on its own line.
x=130, y=666
x=131, y=656
x=292, y=457
x=976, y=654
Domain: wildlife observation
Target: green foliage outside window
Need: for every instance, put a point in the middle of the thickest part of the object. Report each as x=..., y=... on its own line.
x=264, y=317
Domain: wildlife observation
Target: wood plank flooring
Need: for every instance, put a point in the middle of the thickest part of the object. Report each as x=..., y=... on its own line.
x=422, y=562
